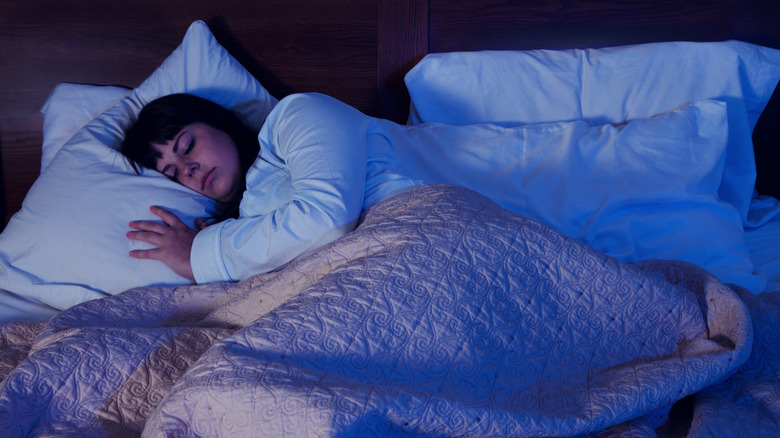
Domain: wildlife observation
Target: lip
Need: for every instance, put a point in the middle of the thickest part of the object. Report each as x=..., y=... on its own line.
x=206, y=179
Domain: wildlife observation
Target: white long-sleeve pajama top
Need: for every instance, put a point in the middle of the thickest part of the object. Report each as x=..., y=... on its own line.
x=306, y=189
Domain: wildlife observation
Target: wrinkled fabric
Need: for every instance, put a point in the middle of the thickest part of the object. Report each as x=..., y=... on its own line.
x=441, y=314
x=319, y=166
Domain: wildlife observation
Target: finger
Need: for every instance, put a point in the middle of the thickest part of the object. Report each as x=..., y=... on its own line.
x=146, y=254
x=200, y=224
x=151, y=226
x=146, y=236
x=169, y=218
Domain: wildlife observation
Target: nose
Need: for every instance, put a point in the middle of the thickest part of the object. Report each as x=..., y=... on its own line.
x=188, y=170
x=190, y=167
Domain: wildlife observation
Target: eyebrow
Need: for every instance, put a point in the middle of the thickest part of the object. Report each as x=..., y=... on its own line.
x=177, y=139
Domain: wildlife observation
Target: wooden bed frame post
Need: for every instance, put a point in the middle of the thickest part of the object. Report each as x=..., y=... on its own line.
x=402, y=42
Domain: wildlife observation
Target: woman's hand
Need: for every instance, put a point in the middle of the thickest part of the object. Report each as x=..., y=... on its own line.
x=172, y=238
x=200, y=224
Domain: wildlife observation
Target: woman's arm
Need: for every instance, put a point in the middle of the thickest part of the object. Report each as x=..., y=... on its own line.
x=305, y=191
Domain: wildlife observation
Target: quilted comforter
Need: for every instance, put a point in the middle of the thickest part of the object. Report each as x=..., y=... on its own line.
x=442, y=314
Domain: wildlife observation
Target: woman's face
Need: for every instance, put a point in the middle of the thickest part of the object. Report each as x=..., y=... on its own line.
x=203, y=159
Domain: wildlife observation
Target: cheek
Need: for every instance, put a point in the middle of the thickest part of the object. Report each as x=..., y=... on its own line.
x=235, y=160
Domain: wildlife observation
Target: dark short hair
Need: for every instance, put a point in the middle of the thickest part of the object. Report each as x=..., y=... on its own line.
x=160, y=120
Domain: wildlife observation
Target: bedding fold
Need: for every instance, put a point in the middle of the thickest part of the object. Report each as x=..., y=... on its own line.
x=441, y=314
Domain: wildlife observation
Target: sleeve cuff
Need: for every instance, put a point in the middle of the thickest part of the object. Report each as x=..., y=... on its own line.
x=206, y=256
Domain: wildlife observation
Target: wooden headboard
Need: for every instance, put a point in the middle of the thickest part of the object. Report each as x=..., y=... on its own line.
x=355, y=50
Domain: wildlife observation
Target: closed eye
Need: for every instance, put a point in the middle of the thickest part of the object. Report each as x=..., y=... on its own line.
x=171, y=171
x=172, y=175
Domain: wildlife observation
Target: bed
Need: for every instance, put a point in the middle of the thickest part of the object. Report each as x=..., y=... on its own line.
x=445, y=312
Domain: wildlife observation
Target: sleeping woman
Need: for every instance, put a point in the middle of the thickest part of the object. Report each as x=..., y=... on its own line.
x=301, y=183
x=317, y=163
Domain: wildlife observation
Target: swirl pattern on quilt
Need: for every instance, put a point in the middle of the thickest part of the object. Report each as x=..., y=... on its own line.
x=461, y=319
x=442, y=314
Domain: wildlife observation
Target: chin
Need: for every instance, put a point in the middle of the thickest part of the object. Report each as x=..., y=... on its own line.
x=227, y=198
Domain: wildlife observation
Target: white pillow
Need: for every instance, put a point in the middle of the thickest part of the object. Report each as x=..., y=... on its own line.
x=70, y=107
x=68, y=244
x=646, y=189
x=608, y=85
